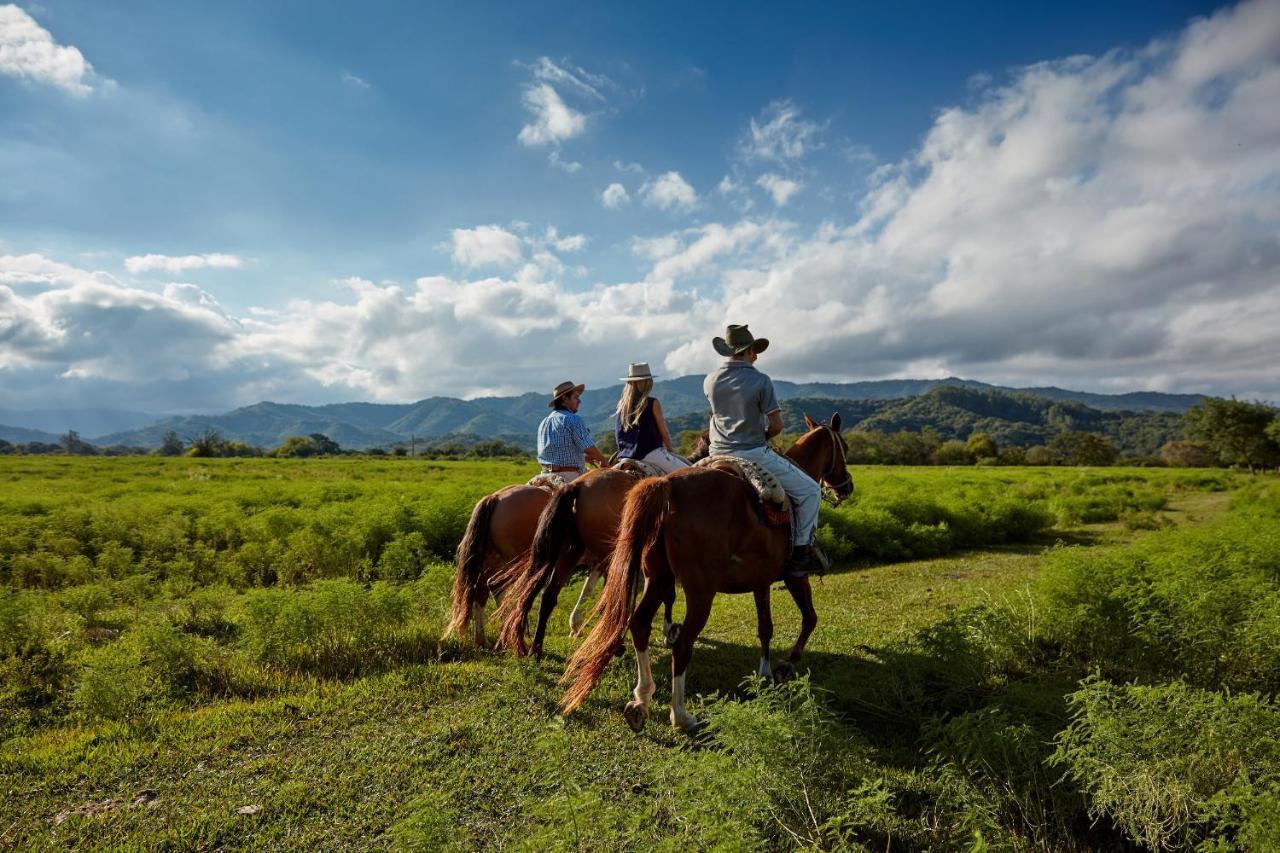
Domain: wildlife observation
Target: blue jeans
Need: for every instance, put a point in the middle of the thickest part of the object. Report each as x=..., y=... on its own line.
x=803, y=490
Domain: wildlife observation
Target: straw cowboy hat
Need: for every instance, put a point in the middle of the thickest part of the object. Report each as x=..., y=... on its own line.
x=566, y=387
x=637, y=371
x=736, y=339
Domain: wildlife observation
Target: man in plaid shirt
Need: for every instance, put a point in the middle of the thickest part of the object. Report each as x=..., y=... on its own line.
x=563, y=437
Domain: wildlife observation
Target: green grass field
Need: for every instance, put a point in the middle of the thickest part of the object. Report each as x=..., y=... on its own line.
x=245, y=653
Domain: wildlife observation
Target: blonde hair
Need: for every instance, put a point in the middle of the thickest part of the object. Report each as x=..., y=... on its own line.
x=631, y=406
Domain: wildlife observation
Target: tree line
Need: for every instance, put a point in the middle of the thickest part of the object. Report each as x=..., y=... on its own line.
x=1216, y=433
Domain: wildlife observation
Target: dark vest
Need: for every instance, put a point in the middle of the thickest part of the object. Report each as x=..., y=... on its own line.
x=642, y=439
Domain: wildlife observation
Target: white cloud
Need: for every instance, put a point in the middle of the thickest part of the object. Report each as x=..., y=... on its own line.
x=569, y=166
x=28, y=50
x=177, y=264
x=553, y=120
x=780, y=188
x=633, y=168
x=615, y=196
x=669, y=191
x=486, y=245
x=577, y=80
x=355, y=81
x=780, y=134
x=567, y=243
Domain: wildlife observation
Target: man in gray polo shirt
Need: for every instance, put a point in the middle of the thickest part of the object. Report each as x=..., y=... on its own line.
x=744, y=415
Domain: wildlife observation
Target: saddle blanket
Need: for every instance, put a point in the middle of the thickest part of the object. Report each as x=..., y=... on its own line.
x=773, y=498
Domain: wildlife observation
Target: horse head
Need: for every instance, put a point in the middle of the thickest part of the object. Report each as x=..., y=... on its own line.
x=827, y=458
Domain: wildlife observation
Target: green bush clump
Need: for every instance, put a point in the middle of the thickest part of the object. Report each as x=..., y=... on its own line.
x=334, y=628
x=1176, y=767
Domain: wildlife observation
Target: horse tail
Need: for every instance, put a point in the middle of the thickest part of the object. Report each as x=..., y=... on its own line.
x=469, y=579
x=643, y=515
x=557, y=530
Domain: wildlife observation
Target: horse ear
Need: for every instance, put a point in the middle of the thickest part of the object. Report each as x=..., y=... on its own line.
x=835, y=421
x=810, y=423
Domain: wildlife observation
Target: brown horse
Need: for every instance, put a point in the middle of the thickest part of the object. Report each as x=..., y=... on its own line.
x=499, y=533
x=701, y=528
x=577, y=527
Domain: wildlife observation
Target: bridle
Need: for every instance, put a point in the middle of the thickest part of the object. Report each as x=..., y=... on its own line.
x=830, y=492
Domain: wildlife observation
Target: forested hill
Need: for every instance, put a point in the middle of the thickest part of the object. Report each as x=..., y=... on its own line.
x=953, y=406
x=1011, y=418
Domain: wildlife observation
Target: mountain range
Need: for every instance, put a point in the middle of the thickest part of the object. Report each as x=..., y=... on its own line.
x=953, y=406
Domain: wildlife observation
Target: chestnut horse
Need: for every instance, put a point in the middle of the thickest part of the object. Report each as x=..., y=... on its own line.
x=578, y=526
x=499, y=533
x=703, y=529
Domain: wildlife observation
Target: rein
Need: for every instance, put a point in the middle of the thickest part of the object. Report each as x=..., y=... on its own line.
x=829, y=493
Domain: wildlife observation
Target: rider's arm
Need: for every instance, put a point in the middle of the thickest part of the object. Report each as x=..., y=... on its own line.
x=775, y=424
x=595, y=457
x=662, y=426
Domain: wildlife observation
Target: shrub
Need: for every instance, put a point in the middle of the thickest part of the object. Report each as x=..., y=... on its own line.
x=1172, y=765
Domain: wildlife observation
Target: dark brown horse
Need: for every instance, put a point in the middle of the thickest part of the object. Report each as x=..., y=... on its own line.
x=576, y=528
x=701, y=528
x=499, y=533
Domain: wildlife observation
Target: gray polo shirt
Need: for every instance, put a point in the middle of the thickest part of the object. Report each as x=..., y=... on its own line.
x=741, y=399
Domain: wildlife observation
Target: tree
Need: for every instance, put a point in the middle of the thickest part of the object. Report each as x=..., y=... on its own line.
x=981, y=446
x=73, y=445
x=951, y=453
x=1186, y=454
x=1013, y=455
x=207, y=445
x=171, y=444
x=295, y=447
x=5, y=447
x=1082, y=448
x=1040, y=455
x=1235, y=432
x=324, y=444
x=865, y=447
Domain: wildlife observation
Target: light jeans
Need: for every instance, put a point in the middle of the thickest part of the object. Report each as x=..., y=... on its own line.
x=803, y=490
x=665, y=459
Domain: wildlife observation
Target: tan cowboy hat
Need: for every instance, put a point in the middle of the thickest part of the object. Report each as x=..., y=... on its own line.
x=637, y=371
x=736, y=339
x=565, y=387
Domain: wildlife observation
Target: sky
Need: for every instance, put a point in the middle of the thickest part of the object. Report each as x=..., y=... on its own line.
x=207, y=205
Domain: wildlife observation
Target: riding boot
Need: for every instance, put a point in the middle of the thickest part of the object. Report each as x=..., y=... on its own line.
x=806, y=560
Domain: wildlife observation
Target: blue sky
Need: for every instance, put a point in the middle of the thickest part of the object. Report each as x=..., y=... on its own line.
x=203, y=206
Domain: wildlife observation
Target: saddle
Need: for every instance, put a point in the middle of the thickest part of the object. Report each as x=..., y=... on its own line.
x=774, y=505
x=639, y=468
x=548, y=481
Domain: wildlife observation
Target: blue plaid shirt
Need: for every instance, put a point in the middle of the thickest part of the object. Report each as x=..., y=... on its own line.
x=563, y=438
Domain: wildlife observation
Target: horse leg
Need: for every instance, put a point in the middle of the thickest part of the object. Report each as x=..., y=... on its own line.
x=636, y=712
x=670, y=630
x=578, y=616
x=764, y=630
x=697, y=607
x=802, y=592
x=550, y=596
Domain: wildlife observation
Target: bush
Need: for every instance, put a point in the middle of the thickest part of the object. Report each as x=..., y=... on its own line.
x=1174, y=766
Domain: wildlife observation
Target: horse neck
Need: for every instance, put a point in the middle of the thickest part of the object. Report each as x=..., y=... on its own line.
x=808, y=454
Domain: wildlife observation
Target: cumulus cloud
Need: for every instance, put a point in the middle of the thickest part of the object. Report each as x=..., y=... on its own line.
x=1109, y=222
x=181, y=263
x=781, y=189
x=669, y=191
x=780, y=134
x=486, y=245
x=615, y=196
x=553, y=120
x=29, y=51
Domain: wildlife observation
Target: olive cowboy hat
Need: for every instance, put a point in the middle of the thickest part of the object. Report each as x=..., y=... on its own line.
x=637, y=371
x=736, y=339
x=566, y=387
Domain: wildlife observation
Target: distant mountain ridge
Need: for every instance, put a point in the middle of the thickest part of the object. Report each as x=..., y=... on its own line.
x=515, y=419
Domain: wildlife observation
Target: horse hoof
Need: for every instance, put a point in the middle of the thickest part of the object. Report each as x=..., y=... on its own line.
x=688, y=724
x=671, y=635
x=636, y=715
x=537, y=653
x=785, y=671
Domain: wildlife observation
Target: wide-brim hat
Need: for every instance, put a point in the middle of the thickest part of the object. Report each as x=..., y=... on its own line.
x=637, y=371
x=737, y=339
x=566, y=387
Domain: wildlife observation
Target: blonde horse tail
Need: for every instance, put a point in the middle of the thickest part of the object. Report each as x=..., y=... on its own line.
x=469, y=579
x=639, y=530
